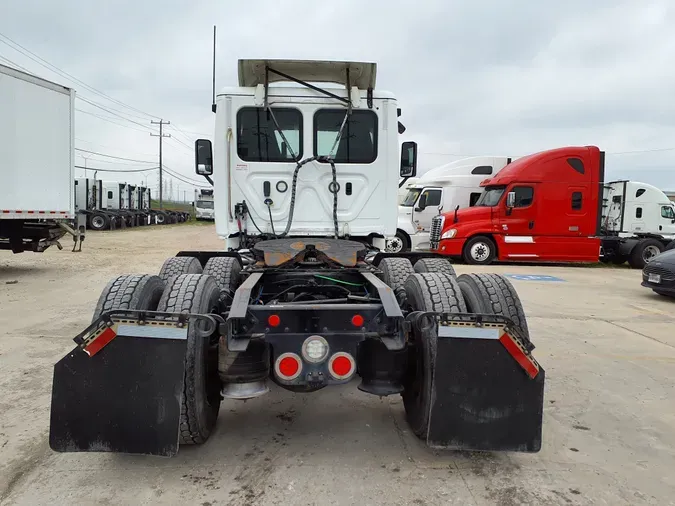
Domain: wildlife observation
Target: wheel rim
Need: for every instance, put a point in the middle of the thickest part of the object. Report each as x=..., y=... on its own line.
x=97, y=222
x=650, y=252
x=480, y=252
x=394, y=245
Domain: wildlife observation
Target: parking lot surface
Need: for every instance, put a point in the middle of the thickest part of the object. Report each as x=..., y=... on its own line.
x=607, y=345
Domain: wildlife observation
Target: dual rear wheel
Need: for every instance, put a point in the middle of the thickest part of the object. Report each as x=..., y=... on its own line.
x=435, y=288
x=184, y=286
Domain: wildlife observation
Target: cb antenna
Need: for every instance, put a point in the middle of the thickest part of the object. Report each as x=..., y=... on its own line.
x=213, y=103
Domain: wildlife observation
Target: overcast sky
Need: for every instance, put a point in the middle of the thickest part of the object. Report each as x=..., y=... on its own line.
x=481, y=77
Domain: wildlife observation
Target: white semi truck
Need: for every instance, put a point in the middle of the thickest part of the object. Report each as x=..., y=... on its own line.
x=36, y=163
x=304, y=189
x=638, y=223
x=456, y=184
x=204, y=205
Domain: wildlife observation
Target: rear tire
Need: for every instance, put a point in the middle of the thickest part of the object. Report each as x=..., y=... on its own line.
x=426, y=292
x=479, y=250
x=395, y=271
x=440, y=265
x=200, y=402
x=493, y=294
x=99, y=221
x=670, y=245
x=132, y=291
x=226, y=271
x=175, y=266
x=643, y=252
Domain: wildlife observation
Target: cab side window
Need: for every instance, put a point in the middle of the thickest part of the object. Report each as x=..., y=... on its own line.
x=433, y=198
x=667, y=212
x=524, y=196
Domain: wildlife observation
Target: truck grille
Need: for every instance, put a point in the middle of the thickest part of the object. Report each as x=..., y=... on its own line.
x=666, y=274
x=436, y=229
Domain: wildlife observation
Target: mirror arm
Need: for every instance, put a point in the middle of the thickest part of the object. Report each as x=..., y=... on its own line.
x=208, y=178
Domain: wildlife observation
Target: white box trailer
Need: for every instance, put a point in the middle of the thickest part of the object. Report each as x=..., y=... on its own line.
x=36, y=162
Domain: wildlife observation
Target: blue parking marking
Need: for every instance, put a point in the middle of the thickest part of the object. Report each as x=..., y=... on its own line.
x=533, y=277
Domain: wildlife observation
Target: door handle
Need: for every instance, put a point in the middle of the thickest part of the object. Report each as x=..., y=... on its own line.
x=531, y=225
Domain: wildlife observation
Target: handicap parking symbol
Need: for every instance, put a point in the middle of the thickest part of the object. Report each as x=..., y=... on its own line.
x=533, y=277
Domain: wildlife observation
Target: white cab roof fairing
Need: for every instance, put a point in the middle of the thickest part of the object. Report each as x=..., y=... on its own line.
x=361, y=74
x=299, y=91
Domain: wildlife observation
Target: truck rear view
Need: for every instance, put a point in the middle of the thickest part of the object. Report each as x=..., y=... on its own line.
x=36, y=161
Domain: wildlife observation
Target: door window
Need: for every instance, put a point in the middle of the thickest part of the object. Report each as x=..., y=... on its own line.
x=433, y=198
x=576, y=201
x=524, y=196
x=667, y=212
x=638, y=212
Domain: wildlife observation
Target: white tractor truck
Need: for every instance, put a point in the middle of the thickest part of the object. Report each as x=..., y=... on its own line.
x=638, y=223
x=300, y=295
x=450, y=186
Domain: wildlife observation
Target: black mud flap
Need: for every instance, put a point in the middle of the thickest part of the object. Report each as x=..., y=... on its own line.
x=122, y=394
x=488, y=392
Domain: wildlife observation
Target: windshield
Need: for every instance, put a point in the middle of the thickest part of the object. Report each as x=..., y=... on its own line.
x=490, y=196
x=411, y=198
x=205, y=204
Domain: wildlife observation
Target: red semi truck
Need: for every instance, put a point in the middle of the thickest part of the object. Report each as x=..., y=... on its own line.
x=543, y=207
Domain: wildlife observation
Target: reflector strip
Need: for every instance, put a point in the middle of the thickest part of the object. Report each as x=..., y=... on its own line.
x=468, y=332
x=524, y=359
x=100, y=341
x=152, y=331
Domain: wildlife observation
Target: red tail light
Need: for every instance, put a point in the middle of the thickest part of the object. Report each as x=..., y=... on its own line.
x=357, y=320
x=288, y=366
x=273, y=320
x=341, y=365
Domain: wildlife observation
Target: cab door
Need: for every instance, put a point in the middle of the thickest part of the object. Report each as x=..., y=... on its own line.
x=427, y=206
x=667, y=220
x=518, y=224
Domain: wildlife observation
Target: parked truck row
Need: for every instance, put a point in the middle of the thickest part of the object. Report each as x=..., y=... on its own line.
x=555, y=206
x=109, y=205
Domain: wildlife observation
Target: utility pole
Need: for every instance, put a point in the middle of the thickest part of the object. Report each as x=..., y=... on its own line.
x=161, y=136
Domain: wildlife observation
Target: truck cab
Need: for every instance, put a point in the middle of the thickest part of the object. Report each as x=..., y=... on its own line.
x=542, y=207
x=440, y=189
x=204, y=205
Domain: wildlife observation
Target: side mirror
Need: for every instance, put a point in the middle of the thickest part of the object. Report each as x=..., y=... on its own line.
x=511, y=200
x=422, y=203
x=203, y=157
x=408, y=159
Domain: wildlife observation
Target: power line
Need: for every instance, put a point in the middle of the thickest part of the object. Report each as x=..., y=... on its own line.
x=114, y=113
x=10, y=62
x=111, y=147
x=185, y=180
x=112, y=156
x=110, y=121
x=41, y=61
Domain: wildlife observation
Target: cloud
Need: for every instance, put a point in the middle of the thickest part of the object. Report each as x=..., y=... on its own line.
x=482, y=77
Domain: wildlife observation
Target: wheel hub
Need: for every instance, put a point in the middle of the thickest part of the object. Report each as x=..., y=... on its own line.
x=394, y=245
x=480, y=251
x=649, y=253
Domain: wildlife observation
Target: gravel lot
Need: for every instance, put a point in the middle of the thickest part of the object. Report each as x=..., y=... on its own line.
x=609, y=431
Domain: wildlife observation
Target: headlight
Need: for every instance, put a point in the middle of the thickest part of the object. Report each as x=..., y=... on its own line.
x=449, y=234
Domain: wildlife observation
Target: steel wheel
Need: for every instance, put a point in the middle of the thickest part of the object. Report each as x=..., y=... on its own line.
x=650, y=252
x=394, y=245
x=97, y=222
x=480, y=251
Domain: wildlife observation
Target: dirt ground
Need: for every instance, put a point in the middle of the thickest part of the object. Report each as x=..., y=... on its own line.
x=609, y=425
